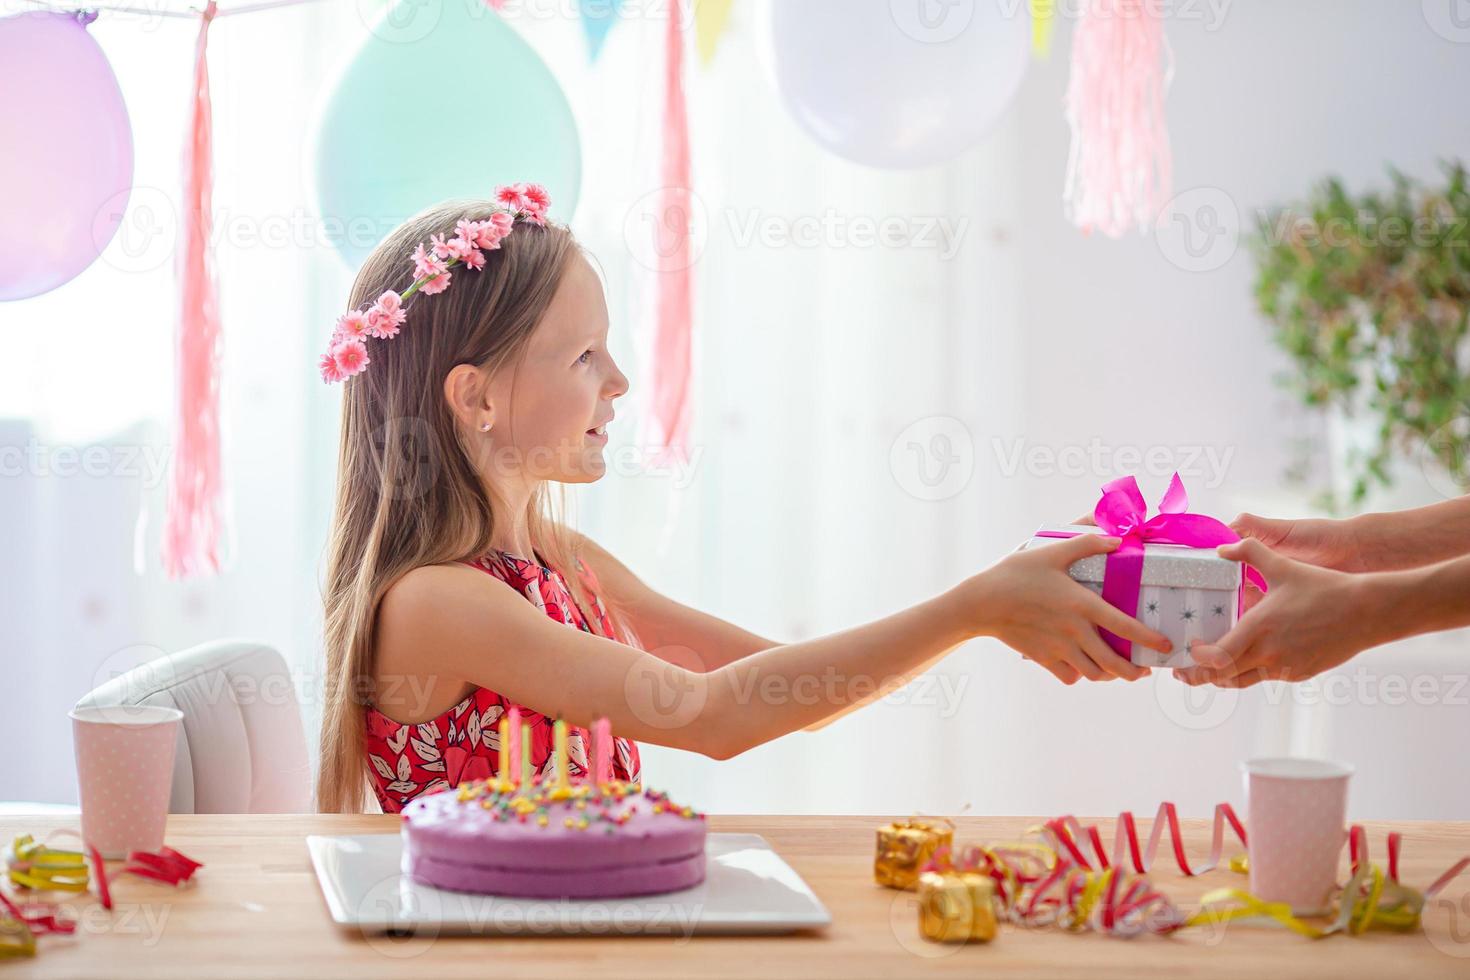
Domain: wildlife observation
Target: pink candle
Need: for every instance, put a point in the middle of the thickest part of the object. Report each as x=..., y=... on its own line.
x=601, y=750
x=514, y=748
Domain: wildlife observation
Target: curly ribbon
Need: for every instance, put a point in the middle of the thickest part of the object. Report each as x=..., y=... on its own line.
x=167, y=865
x=1370, y=899
x=1056, y=883
x=1065, y=831
x=36, y=866
x=33, y=865
x=1122, y=512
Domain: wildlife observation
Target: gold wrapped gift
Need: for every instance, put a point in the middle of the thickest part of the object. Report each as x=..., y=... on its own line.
x=956, y=907
x=904, y=846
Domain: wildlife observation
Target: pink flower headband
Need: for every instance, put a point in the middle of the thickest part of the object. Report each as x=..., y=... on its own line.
x=347, y=351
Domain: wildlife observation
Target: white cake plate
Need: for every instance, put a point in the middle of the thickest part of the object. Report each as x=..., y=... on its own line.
x=747, y=889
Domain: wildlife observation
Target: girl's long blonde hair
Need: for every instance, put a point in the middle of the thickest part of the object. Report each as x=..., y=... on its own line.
x=407, y=492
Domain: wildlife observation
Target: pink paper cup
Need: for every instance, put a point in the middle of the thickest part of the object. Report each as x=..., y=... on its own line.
x=125, y=770
x=1296, y=826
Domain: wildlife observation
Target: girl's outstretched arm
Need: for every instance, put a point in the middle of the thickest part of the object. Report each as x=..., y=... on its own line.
x=668, y=629
x=672, y=631
x=455, y=624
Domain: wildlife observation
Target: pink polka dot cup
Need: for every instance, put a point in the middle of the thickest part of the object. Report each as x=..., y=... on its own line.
x=125, y=769
x=1296, y=825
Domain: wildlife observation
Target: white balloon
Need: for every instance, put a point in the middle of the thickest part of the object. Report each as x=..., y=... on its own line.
x=896, y=83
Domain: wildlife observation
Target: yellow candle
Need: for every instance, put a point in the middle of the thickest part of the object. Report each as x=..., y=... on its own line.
x=559, y=734
x=527, y=773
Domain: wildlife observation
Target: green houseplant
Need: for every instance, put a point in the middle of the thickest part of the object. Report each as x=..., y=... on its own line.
x=1369, y=295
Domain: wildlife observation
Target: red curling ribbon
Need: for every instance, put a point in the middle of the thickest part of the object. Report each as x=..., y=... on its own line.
x=1358, y=851
x=104, y=893
x=1064, y=831
x=168, y=865
x=39, y=917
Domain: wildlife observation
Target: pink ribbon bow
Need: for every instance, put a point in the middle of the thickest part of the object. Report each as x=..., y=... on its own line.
x=1123, y=513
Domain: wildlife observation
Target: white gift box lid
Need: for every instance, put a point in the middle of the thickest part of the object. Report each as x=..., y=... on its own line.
x=1174, y=565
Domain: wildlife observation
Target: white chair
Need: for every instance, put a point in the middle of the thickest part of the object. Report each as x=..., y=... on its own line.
x=242, y=748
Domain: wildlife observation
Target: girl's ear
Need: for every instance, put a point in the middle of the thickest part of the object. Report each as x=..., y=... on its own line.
x=468, y=397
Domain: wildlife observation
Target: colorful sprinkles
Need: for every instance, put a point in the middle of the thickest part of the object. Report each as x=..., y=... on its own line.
x=612, y=802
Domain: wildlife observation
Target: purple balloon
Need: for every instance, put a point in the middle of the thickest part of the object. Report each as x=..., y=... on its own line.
x=68, y=160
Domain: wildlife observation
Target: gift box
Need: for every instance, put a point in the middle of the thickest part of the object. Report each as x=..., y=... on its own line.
x=905, y=846
x=1191, y=595
x=956, y=907
x=1165, y=571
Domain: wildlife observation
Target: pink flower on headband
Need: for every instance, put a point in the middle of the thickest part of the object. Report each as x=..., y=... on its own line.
x=513, y=196
x=347, y=354
x=351, y=357
x=489, y=232
x=425, y=264
x=331, y=373
x=351, y=325
x=385, y=317
x=436, y=285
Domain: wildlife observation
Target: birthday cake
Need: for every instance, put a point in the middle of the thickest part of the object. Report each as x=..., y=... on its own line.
x=581, y=840
x=553, y=837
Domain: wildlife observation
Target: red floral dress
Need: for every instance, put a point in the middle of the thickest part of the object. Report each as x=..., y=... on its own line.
x=464, y=742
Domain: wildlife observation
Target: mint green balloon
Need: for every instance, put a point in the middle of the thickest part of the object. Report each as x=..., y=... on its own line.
x=443, y=100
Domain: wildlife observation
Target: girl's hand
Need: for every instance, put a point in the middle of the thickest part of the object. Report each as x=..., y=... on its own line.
x=1029, y=602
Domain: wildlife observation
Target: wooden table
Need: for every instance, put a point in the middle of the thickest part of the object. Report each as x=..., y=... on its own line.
x=255, y=910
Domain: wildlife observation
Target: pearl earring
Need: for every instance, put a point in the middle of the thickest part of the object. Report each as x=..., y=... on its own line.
x=485, y=427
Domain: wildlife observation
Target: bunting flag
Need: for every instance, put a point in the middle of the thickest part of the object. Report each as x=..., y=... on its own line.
x=192, y=524
x=675, y=314
x=598, y=18
x=711, y=17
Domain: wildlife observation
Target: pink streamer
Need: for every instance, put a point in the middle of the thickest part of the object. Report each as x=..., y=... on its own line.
x=671, y=356
x=1120, y=169
x=192, y=525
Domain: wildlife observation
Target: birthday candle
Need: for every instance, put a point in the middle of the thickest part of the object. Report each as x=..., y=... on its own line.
x=601, y=750
x=503, y=772
x=559, y=735
x=526, y=771
x=514, y=746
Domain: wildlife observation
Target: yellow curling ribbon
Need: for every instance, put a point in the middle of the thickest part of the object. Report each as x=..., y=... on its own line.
x=16, y=938
x=1361, y=906
x=31, y=864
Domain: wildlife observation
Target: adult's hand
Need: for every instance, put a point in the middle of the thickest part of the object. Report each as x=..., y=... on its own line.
x=1327, y=544
x=1311, y=620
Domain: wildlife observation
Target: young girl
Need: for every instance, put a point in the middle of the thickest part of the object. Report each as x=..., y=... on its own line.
x=452, y=594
